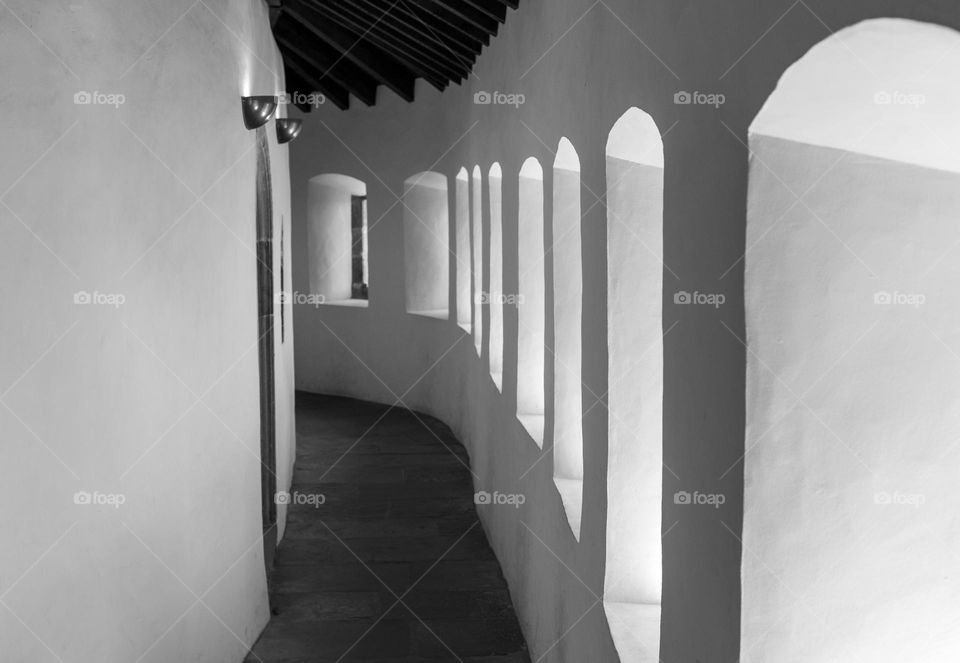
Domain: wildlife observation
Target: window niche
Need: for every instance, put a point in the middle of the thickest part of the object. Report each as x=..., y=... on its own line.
x=567, y=317
x=496, y=298
x=337, y=239
x=426, y=245
x=476, y=220
x=531, y=301
x=634, y=569
x=463, y=240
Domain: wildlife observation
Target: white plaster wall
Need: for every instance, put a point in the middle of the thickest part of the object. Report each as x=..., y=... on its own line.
x=852, y=407
x=156, y=399
x=580, y=65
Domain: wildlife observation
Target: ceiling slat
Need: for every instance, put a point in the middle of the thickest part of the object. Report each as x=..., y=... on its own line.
x=469, y=14
x=326, y=61
x=335, y=93
x=374, y=62
x=348, y=28
x=415, y=42
x=495, y=10
x=450, y=20
x=344, y=48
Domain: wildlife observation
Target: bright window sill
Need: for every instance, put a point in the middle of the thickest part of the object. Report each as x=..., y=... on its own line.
x=571, y=492
x=534, y=424
x=497, y=379
x=438, y=314
x=349, y=303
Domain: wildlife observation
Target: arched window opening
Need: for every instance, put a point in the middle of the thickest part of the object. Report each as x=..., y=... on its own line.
x=476, y=216
x=567, y=315
x=426, y=245
x=850, y=285
x=337, y=239
x=632, y=585
x=496, y=299
x=463, y=239
x=531, y=301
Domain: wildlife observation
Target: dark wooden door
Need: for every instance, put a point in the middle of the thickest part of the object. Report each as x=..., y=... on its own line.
x=265, y=335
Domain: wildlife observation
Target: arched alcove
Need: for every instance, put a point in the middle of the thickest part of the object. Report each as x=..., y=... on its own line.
x=462, y=201
x=852, y=371
x=531, y=301
x=632, y=585
x=476, y=216
x=426, y=244
x=336, y=239
x=496, y=298
x=567, y=316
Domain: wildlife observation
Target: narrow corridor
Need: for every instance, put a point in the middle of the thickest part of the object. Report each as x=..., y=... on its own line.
x=384, y=559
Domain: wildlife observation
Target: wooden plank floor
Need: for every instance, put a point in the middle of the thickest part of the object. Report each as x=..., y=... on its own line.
x=394, y=566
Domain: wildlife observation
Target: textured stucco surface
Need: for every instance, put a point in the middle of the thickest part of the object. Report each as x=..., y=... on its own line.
x=156, y=399
x=581, y=65
x=852, y=405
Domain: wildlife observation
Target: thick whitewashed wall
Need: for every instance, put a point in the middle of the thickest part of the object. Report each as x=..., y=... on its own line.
x=853, y=406
x=128, y=368
x=580, y=65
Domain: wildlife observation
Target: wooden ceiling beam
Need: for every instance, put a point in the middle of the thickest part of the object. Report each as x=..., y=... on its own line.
x=350, y=26
x=449, y=20
x=326, y=61
x=495, y=10
x=467, y=13
x=371, y=60
x=330, y=90
x=415, y=39
x=410, y=26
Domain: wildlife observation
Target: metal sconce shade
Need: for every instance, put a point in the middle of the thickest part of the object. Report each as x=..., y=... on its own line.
x=257, y=110
x=287, y=129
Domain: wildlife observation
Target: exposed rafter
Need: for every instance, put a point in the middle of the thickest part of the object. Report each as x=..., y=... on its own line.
x=344, y=48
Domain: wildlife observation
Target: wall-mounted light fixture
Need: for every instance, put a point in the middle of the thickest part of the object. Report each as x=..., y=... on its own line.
x=257, y=110
x=287, y=129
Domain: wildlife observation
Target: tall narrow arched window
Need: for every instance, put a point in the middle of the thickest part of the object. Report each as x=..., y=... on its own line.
x=476, y=215
x=531, y=301
x=426, y=245
x=463, y=239
x=336, y=239
x=632, y=585
x=496, y=298
x=850, y=284
x=567, y=314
